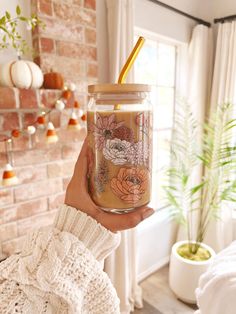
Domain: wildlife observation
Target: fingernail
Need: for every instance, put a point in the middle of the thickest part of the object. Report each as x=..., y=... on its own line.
x=148, y=213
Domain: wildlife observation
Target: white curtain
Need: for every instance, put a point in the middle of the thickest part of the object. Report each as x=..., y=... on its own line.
x=120, y=36
x=220, y=233
x=121, y=266
x=200, y=70
x=204, y=93
x=197, y=85
x=224, y=78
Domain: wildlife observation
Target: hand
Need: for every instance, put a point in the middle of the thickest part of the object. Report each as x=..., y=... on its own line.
x=77, y=196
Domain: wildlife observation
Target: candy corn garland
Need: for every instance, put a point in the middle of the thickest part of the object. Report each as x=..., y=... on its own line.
x=9, y=177
x=51, y=136
x=41, y=121
x=73, y=123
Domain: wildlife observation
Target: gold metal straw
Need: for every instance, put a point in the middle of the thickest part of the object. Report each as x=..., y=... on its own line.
x=130, y=61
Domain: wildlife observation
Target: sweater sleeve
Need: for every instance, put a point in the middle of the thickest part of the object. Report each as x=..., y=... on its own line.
x=94, y=236
x=63, y=261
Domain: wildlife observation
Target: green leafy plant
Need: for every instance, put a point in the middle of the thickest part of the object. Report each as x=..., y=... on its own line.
x=202, y=174
x=9, y=35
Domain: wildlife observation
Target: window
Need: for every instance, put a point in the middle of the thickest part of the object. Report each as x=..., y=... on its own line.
x=156, y=65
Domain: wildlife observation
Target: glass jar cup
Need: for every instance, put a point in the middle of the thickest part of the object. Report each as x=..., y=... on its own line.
x=119, y=127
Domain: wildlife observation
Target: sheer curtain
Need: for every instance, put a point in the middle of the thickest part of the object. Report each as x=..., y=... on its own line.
x=197, y=85
x=205, y=92
x=220, y=233
x=121, y=266
x=224, y=78
x=200, y=70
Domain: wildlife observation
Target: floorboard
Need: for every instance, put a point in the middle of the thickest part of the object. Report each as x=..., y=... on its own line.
x=158, y=297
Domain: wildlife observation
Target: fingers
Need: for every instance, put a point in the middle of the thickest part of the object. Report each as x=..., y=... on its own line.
x=77, y=190
x=111, y=221
x=80, y=171
x=116, y=222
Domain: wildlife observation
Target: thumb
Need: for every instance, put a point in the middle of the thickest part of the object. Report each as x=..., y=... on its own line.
x=81, y=166
x=116, y=222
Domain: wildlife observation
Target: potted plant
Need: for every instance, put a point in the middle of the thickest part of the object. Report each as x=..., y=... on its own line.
x=18, y=73
x=200, y=179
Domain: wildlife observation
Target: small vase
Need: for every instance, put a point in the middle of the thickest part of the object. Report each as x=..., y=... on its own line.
x=184, y=274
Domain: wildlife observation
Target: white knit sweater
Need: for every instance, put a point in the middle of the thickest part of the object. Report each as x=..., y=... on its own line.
x=58, y=270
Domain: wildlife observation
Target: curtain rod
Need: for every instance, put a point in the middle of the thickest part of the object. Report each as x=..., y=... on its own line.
x=226, y=18
x=200, y=21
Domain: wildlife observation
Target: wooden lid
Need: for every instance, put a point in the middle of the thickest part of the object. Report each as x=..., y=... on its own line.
x=118, y=88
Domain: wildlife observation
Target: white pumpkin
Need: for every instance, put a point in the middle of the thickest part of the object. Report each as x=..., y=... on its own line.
x=21, y=74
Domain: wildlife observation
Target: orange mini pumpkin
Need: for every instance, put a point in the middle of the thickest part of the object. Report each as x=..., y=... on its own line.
x=53, y=80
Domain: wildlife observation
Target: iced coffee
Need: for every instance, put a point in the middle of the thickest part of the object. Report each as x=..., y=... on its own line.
x=119, y=157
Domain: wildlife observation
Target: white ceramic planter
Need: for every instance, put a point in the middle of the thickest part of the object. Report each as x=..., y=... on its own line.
x=184, y=274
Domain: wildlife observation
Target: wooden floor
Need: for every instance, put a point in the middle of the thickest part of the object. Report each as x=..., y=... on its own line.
x=159, y=299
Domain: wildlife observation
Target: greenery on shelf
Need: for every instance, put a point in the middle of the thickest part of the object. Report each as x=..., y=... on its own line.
x=9, y=35
x=202, y=174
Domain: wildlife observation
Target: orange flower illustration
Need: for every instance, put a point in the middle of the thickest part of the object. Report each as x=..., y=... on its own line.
x=130, y=184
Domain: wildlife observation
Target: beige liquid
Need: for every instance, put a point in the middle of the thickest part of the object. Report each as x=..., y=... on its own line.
x=120, y=158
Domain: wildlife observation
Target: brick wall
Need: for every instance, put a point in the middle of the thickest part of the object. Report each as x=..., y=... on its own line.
x=67, y=45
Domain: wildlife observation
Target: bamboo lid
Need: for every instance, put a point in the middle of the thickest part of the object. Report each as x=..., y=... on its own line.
x=118, y=88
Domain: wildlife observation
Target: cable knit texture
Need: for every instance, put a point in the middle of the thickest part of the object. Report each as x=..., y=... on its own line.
x=58, y=270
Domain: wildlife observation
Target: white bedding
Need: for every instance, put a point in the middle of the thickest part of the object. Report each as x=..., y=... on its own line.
x=216, y=293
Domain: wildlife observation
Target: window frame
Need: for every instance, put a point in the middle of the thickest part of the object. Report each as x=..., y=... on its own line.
x=180, y=52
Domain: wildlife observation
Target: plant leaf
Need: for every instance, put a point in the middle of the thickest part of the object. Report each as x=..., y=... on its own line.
x=8, y=15
x=18, y=10
x=197, y=188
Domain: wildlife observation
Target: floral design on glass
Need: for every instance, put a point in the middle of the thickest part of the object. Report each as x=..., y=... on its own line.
x=139, y=153
x=101, y=176
x=104, y=129
x=124, y=133
x=117, y=151
x=143, y=120
x=122, y=152
x=130, y=184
